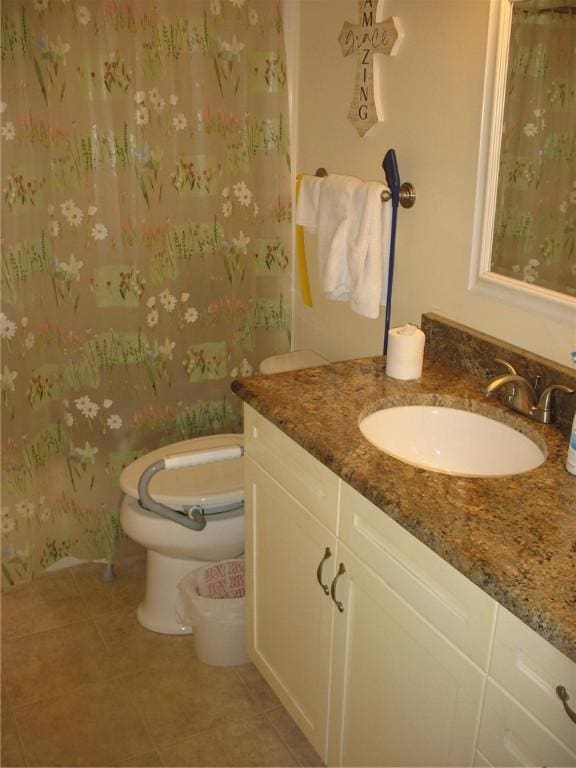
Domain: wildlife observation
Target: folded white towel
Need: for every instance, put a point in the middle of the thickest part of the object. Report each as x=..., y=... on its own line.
x=307, y=203
x=353, y=228
x=369, y=247
x=337, y=216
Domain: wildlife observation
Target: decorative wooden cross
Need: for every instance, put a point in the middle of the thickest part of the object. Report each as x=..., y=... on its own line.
x=364, y=40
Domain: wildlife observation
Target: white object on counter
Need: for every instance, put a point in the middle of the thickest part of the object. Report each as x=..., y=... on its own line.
x=405, y=354
x=571, y=459
x=292, y=361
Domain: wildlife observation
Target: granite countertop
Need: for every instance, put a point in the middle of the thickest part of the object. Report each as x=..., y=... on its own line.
x=514, y=537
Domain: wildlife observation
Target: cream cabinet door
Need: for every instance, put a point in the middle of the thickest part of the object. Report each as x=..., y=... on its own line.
x=402, y=695
x=288, y=613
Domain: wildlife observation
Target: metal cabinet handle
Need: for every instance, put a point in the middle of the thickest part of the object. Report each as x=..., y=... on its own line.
x=562, y=694
x=339, y=604
x=327, y=556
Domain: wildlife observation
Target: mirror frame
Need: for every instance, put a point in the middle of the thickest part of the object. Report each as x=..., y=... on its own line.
x=558, y=306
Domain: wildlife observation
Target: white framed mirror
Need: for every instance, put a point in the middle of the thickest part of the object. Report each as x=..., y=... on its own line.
x=510, y=255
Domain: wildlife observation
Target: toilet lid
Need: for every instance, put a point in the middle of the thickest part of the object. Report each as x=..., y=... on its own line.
x=207, y=485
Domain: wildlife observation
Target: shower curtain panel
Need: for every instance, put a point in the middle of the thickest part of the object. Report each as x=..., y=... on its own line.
x=534, y=235
x=145, y=246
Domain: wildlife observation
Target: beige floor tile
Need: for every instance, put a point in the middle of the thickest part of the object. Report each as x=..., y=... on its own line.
x=294, y=739
x=125, y=592
x=184, y=697
x=95, y=725
x=263, y=696
x=4, y=698
x=35, y=666
x=47, y=603
x=149, y=760
x=104, y=691
x=251, y=742
x=11, y=754
x=135, y=648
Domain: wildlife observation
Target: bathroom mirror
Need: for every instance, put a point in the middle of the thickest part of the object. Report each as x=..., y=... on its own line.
x=524, y=250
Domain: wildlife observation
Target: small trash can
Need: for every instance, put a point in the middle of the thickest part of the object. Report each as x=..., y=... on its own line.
x=212, y=602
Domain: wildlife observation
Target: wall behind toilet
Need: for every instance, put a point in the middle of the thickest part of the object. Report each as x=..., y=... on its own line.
x=432, y=93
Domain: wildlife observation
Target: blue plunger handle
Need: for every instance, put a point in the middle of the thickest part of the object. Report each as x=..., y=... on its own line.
x=390, y=167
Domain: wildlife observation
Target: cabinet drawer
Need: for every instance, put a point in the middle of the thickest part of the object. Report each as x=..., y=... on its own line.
x=527, y=666
x=446, y=598
x=303, y=476
x=509, y=735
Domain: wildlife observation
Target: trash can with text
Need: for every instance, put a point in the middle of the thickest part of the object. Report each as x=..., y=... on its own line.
x=212, y=602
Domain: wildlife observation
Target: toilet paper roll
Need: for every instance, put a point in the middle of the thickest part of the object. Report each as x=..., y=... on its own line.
x=405, y=354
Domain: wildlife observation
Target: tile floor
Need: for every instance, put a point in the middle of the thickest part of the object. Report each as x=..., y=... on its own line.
x=84, y=685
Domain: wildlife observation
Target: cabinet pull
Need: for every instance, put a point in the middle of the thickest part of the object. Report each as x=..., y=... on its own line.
x=339, y=604
x=562, y=694
x=327, y=556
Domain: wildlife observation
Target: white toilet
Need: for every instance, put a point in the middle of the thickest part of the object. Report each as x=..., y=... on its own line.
x=215, y=490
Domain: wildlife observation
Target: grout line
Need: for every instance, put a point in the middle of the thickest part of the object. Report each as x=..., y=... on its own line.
x=264, y=714
x=283, y=739
x=20, y=740
x=10, y=709
x=13, y=638
x=155, y=746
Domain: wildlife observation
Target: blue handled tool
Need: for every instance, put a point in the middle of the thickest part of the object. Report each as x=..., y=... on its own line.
x=390, y=167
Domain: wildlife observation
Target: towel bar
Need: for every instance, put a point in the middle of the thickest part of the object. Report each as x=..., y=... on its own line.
x=407, y=191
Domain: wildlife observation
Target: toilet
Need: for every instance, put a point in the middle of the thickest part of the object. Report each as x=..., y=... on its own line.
x=213, y=492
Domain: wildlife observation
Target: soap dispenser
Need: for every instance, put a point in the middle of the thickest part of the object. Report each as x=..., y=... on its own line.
x=571, y=458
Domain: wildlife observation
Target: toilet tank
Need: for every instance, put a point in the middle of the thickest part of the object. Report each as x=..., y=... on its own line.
x=292, y=361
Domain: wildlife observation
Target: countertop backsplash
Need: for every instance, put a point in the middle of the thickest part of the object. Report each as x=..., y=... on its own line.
x=464, y=348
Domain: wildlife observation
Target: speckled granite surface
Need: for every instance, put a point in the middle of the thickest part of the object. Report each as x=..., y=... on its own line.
x=515, y=537
x=474, y=352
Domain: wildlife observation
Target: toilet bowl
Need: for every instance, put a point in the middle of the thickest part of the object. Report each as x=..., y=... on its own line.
x=214, y=490
x=172, y=549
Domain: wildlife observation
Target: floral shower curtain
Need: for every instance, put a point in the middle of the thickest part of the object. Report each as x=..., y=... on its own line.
x=145, y=241
x=535, y=227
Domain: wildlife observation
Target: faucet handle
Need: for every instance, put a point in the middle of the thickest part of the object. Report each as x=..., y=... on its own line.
x=509, y=367
x=545, y=409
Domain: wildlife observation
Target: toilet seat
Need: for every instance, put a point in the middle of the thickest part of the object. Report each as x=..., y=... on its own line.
x=215, y=488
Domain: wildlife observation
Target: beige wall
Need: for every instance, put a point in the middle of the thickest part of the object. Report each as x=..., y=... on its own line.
x=432, y=95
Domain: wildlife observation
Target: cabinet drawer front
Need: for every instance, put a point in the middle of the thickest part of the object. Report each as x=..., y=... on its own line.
x=530, y=668
x=509, y=735
x=449, y=601
x=303, y=476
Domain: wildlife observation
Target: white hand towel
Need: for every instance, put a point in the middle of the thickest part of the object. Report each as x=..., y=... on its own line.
x=353, y=228
x=307, y=203
x=335, y=212
x=368, y=252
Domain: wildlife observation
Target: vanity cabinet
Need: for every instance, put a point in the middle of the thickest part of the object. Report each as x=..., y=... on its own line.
x=367, y=678
x=377, y=647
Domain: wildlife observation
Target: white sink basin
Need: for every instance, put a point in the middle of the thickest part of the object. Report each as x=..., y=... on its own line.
x=451, y=440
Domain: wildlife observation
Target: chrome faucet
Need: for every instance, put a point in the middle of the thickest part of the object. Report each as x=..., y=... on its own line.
x=523, y=396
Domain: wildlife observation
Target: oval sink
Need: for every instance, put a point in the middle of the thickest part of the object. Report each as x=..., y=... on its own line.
x=451, y=440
